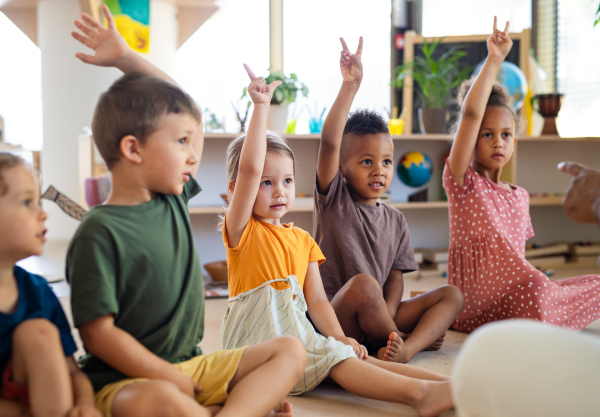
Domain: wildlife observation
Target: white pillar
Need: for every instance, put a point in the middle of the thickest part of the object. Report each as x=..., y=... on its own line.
x=71, y=88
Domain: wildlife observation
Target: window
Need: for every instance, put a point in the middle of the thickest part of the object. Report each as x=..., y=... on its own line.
x=20, y=87
x=578, y=68
x=473, y=17
x=312, y=29
x=209, y=64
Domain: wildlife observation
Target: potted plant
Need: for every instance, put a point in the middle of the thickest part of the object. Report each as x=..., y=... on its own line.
x=436, y=78
x=283, y=96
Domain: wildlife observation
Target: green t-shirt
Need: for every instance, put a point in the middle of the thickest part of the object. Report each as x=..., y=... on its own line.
x=140, y=264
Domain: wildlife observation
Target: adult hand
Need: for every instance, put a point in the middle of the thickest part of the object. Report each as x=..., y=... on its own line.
x=582, y=197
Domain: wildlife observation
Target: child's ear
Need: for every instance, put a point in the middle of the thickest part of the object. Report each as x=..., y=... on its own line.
x=130, y=148
x=231, y=186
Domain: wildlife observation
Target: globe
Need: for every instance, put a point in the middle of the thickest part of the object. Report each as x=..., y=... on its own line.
x=511, y=77
x=414, y=169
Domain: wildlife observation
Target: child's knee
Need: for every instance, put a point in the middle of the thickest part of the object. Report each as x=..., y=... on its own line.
x=364, y=289
x=37, y=334
x=294, y=351
x=454, y=296
x=154, y=399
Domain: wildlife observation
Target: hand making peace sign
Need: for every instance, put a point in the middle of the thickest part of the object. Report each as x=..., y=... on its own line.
x=499, y=43
x=259, y=91
x=351, y=65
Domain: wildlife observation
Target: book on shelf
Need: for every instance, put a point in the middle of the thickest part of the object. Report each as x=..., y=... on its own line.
x=435, y=255
x=585, y=250
x=554, y=249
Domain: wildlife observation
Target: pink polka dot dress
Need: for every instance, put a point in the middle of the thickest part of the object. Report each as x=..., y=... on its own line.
x=488, y=229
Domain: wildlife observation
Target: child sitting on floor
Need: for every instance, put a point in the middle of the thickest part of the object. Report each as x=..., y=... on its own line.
x=274, y=277
x=39, y=374
x=137, y=292
x=367, y=243
x=489, y=218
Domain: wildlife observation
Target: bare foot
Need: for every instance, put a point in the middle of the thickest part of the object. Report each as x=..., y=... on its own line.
x=437, y=397
x=395, y=351
x=437, y=344
x=283, y=409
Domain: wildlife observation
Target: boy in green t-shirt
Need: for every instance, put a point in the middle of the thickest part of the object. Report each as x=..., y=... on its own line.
x=137, y=292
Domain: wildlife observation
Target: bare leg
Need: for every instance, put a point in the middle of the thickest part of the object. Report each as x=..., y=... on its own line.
x=156, y=399
x=362, y=378
x=277, y=364
x=425, y=317
x=39, y=362
x=408, y=370
x=13, y=409
x=360, y=308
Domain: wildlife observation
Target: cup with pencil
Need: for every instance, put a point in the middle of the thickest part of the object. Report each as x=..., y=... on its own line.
x=315, y=123
x=397, y=123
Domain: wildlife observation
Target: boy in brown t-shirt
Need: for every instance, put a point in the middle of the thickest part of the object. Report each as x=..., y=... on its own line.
x=366, y=243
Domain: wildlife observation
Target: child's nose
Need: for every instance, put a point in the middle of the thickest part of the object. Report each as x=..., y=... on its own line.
x=43, y=215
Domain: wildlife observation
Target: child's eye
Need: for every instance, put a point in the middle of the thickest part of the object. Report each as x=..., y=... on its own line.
x=387, y=162
x=288, y=181
x=28, y=202
x=367, y=162
x=507, y=134
x=265, y=183
x=487, y=135
x=182, y=140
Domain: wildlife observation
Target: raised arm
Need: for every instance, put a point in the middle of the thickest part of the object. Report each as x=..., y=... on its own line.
x=110, y=49
x=473, y=108
x=252, y=159
x=333, y=128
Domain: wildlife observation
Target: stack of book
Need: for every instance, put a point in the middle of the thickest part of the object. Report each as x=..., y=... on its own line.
x=585, y=253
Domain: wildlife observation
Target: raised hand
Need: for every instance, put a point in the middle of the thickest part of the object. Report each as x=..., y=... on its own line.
x=499, y=43
x=108, y=44
x=260, y=92
x=350, y=64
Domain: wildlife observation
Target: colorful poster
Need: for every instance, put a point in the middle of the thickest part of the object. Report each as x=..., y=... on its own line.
x=132, y=18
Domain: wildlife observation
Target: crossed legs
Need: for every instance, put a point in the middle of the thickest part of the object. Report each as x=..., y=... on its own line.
x=361, y=309
x=266, y=374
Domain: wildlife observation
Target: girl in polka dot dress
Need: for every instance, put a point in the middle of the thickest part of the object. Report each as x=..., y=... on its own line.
x=489, y=219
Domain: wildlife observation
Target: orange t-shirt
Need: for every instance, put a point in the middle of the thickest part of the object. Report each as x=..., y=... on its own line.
x=268, y=252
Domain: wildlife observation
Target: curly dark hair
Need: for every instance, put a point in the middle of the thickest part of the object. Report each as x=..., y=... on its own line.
x=499, y=97
x=363, y=122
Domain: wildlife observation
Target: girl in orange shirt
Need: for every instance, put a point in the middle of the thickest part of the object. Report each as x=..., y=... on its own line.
x=274, y=277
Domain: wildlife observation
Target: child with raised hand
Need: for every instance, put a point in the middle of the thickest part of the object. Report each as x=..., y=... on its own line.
x=489, y=219
x=39, y=374
x=367, y=243
x=136, y=281
x=274, y=276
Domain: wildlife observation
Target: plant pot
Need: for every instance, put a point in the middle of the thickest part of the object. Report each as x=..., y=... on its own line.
x=548, y=105
x=277, y=120
x=433, y=120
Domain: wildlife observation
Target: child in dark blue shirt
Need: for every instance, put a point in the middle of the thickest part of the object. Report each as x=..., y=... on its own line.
x=39, y=374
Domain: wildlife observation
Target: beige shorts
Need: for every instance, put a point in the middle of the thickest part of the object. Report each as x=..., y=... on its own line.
x=213, y=372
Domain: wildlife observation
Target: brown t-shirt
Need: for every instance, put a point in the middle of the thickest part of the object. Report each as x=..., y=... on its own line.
x=358, y=239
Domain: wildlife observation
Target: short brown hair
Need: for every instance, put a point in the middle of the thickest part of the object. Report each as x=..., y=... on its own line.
x=8, y=160
x=134, y=105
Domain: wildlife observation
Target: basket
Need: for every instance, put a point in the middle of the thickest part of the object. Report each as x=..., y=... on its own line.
x=217, y=270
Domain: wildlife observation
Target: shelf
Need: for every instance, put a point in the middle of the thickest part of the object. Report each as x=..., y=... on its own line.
x=305, y=204
x=418, y=137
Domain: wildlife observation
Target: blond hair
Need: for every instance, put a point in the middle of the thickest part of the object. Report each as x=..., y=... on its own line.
x=9, y=160
x=275, y=143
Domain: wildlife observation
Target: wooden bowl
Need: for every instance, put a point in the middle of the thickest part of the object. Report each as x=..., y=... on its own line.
x=217, y=270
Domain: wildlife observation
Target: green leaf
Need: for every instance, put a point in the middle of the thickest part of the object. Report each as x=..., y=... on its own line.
x=596, y=22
